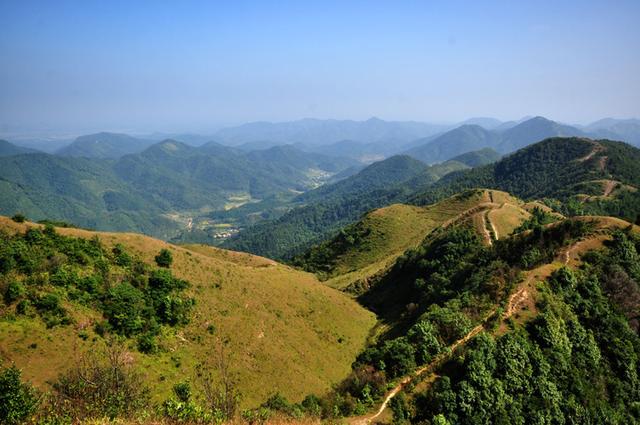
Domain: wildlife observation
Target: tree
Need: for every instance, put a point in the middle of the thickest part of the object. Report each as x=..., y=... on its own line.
x=18, y=401
x=164, y=258
x=219, y=385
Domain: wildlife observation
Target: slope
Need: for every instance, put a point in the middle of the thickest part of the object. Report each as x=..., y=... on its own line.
x=79, y=190
x=462, y=317
x=282, y=327
x=555, y=328
x=369, y=247
x=553, y=168
x=328, y=208
x=455, y=142
x=9, y=149
x=504, y=140
x=104, y=145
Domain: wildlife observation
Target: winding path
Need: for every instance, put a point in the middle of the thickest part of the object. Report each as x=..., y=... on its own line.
x=516, y=299
x=421, y=371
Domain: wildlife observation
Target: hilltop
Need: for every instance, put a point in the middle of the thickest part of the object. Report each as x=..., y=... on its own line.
x=370, y=246
x=9, y=149
x=104, y=145
x=559, y=168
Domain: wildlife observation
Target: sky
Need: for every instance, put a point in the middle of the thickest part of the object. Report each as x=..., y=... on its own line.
x=187, y=66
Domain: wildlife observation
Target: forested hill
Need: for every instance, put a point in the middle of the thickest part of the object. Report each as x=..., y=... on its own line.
x=104, y=145
x=378, y=175
x=8, y=149
x=331, y=207
x=504, y=140
x=560, y=168
x=153, y=191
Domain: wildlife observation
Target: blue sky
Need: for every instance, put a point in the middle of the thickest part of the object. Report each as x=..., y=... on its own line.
x=194, y=66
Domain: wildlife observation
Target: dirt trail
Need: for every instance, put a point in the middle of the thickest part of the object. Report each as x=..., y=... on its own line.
x=523, y=295
x=419, y=372
x=611, y=184
x=485, y=233
x=597, y=148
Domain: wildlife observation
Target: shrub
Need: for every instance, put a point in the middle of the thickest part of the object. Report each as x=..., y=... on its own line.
x=312, y=405
x=182, y=390
x=19, y=218
x=164, y=258
x=14, y=291
x=181, y=408
x=121, y=257
x=147, y=343
x=48, y=303
x=98, y=387
x=18, y=401
x=23, y=307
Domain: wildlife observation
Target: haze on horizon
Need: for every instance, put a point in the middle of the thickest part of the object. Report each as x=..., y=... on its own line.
x=195, y=66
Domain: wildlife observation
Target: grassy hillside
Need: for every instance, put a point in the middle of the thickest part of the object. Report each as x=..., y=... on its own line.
x=366, y=248
x=282, y=327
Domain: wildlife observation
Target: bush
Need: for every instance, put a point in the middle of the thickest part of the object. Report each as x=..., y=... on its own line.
x=23, y=307
x=19, y=218
x=164, y=258
x=18, y=401
x=121, y=257
x=312, y=405
x=14, y=291
x=147, y=343
x=182, y=390
x=99, y=387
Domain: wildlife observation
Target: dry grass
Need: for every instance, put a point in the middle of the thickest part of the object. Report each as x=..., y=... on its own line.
x=507, y=218
x=394, y=229
x=287, y=332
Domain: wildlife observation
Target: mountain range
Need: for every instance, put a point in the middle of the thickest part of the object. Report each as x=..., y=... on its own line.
x=411, y=291
x=365, y=141
x=147, y=191
x=472, y=137
x=556, y=168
